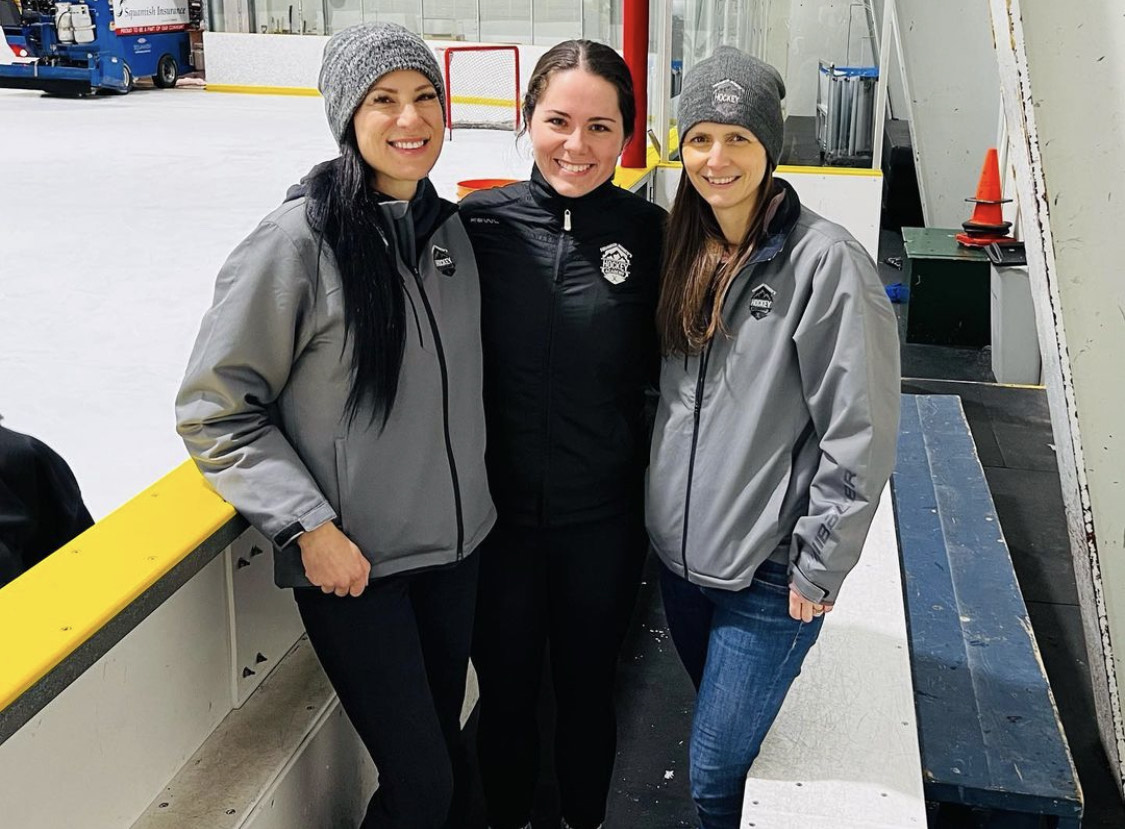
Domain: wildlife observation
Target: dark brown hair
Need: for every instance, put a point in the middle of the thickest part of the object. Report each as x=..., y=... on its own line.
x=597, y=59
x=696, y=276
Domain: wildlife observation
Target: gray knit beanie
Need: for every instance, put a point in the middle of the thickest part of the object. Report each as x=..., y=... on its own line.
x=731, y=87
x=358, y=56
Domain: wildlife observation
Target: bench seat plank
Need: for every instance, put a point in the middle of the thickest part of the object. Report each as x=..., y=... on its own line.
x=988, y=725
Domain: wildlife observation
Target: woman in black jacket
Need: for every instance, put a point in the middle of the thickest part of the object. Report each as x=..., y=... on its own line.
x=569, y=268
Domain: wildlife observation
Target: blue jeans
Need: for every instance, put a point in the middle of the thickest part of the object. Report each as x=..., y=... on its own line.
x=742, y=651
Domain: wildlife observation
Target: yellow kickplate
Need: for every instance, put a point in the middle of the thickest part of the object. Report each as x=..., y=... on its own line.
x=57, y=605
x=262, y=90
x=627, y=177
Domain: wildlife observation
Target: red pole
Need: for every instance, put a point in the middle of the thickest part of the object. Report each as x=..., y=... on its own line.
x=635, y=25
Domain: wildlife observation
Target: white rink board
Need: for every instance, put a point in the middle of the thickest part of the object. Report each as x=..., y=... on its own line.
x=851, y=198
x=844, y=749
x=237, y=59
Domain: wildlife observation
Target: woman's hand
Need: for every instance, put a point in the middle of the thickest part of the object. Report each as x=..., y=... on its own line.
x=803, y=610
x=332, y=562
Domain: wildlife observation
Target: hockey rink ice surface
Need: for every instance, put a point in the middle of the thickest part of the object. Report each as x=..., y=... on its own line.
x=118, y=212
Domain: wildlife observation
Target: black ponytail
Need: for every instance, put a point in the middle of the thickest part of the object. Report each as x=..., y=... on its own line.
x=374, y=304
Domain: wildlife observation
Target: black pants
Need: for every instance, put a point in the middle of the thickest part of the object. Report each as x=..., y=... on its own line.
x=575, y=586
x=398, y=657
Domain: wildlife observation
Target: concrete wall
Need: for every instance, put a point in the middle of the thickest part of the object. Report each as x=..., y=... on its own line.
x=1063, y=73
x=954, y=100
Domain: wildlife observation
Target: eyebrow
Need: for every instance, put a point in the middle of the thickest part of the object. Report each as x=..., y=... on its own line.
x=726, y=134
x=595, y=118
x=396, y=91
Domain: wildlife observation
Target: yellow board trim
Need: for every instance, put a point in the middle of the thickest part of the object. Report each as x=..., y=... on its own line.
x=262, y=90
x=53, y=608
x=471, y=100
x=487, y=102
x=629, y=177
x=830, y=171
x=787, y=168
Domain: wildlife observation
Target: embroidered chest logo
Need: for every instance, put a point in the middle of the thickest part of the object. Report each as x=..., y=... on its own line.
x=615, y=263
x=727, y=95
x=444, y=262
x=761, y=301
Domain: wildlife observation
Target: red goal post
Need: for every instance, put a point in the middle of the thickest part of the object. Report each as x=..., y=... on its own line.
x=482, y=87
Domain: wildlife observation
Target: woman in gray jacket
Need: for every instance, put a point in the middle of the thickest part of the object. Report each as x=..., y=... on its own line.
x=334, y=399
x=776, y=428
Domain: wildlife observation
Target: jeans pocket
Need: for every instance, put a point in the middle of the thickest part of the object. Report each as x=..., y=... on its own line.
x=772, y=576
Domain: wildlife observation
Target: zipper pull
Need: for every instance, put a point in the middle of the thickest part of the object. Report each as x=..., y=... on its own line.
x=566, y=221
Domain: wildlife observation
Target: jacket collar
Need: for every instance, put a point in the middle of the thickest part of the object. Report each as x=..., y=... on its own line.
x=548, y=198
x=410, y=222
x=786, y=210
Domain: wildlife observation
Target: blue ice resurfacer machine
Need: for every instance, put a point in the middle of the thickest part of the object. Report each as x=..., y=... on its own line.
x=77, y=48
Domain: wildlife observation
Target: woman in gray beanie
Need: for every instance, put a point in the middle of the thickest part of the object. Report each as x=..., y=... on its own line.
x=334, y=398
x=776, y=429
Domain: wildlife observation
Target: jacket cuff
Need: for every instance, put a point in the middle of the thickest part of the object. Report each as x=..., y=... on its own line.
x=806, y=588
x=318, y=515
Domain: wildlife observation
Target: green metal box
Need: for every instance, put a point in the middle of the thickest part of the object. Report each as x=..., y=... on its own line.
x=949, y=289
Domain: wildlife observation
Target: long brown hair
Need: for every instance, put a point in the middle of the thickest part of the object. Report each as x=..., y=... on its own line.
x=695, y=277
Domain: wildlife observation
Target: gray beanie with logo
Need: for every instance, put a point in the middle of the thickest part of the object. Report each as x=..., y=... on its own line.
x=359, y=55
x=731, y=87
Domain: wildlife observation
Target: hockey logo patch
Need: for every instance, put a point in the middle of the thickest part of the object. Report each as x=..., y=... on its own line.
x=761, y=301
x=615, y=263
x=726, y=96
x=444, y=262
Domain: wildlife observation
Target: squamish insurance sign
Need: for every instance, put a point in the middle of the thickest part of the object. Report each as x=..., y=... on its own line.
x=135, y=17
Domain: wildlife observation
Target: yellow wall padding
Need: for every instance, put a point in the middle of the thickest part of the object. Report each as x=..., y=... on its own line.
x=54, y=607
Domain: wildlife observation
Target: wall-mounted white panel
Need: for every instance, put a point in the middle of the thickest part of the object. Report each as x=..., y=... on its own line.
x=852, y=200
x=265, y=622
x=100, y=751
x=954, y=100
x=1062, y=67
x=293, y=61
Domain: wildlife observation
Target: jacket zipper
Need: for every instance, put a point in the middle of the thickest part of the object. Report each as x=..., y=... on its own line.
x=556, y=276
x=696, y=415
x=444, y=413
x=704, y=359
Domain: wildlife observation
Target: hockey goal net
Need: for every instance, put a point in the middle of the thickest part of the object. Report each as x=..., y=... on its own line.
x=482, y=87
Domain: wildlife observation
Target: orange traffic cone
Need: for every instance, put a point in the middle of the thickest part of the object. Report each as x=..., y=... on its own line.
x=987, y=224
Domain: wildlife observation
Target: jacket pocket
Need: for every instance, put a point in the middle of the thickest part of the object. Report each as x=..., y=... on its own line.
x=341, y=481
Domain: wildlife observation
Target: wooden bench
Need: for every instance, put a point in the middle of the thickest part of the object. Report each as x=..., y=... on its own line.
x=990, y=734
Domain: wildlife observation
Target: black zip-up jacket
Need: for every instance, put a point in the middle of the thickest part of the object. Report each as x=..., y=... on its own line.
x=41, y=506
x=568, y=303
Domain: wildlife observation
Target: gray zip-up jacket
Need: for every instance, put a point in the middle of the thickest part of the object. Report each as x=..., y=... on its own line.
x=261, y=408
x=778, y=439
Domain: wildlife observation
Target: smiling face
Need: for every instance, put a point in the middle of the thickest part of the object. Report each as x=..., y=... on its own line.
x=399, y=129
x=726, y=165
x=577, y=132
